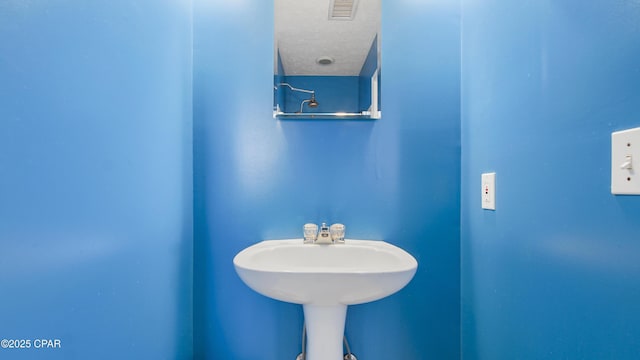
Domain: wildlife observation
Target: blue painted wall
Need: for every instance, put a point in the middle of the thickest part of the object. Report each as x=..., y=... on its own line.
x=369, y=68
x=395, y=179
x=95, y=178
x=553, y=273
x=278, y=77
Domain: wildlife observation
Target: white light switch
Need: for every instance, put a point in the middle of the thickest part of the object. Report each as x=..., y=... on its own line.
x=625, y=162
x=489, y=191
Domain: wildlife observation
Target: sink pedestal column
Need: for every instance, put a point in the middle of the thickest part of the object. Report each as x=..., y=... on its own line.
x=325, y=331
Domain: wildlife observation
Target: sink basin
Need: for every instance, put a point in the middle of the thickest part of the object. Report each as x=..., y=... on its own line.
x=355, y=272
x=325, y=279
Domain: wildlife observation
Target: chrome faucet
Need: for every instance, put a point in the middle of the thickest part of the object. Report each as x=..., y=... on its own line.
x=326, y=235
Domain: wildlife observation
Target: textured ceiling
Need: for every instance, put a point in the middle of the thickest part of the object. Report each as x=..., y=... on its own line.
x=304, y=33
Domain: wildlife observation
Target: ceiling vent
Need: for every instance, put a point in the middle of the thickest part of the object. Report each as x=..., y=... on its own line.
x=342, y=9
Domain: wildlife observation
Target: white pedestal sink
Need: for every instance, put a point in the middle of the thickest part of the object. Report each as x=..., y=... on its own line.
x=325, y=279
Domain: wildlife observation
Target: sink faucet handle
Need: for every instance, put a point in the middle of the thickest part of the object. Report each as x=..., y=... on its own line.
x=337, y=233
x=310, y=233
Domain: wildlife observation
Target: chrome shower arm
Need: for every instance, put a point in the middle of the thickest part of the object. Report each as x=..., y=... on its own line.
x=297, y=89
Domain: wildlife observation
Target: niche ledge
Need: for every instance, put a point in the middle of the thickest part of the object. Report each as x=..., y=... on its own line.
x=365, y=115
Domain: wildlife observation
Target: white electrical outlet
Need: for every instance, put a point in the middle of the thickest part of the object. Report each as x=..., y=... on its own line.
x=625, y=162
x=489, y=191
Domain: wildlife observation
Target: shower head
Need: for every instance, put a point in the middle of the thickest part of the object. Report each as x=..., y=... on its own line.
x=312, y=102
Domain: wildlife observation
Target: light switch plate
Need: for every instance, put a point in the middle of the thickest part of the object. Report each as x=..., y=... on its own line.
x=489, y=191
x=625, y=162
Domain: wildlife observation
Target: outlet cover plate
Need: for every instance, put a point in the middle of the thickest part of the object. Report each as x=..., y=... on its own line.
x=489, y=191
